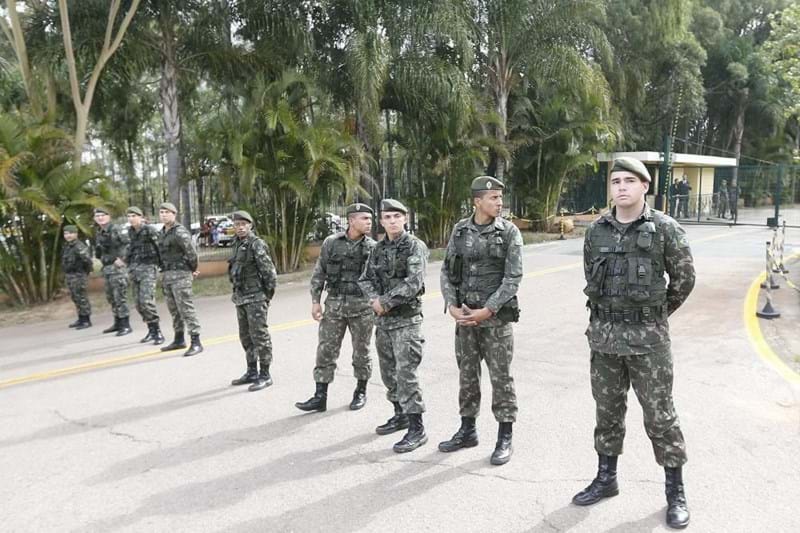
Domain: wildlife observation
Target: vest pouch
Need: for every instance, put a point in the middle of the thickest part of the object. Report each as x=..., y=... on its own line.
x=594, y=281
x=510, y=311
x=640, y=278
x=334, y=268
x=647, y=233
x=496, y=247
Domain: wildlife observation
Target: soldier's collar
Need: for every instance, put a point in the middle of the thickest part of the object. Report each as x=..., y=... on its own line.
x=497, y=222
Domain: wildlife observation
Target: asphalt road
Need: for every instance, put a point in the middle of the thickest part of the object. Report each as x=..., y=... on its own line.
x=104, y=434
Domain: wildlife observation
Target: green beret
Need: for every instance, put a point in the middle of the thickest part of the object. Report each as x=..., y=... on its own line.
x=70, y=229
x=169, y=207
x=102, y=210
x=242, y=215
x=486, y=183
x=393, y=205
x=359, y=208
x=133, y=210
x=629, y=164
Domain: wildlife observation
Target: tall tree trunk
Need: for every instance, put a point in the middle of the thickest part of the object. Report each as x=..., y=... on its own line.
x=738, y=131
x=501, y=107
x=170, y=112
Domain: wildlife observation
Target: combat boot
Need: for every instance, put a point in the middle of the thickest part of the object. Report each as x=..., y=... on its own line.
x=76, y=323
x=677, y=509
x=503, y=449
x=318, y=402
x=149, y=336
x=415, y=437
x=465, y=437
x=359, y=395
x=178, y=343
x=114, y=327
x=195, y=347
x=158, y=337
x=83, y=322
x=602, y=486
x=395, y=423
x=124, y=326
x=262, y=381
x=251, y=376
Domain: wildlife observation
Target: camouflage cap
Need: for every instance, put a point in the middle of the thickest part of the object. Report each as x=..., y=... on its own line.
x=133, y=210
x=359, y=208
x=629, y=164
x=242, y=215
x=393, y=205
x=169, y=207
x=486, y=183
x=102, y=210
x=69, y=228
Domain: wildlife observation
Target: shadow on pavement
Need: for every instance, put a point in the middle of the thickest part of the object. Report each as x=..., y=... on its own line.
x=562, y=519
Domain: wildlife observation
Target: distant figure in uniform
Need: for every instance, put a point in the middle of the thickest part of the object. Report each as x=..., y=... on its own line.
x=673, y=196
x=683, y=190
x=76, y=263
x=143, y=262
x=626, y=253
x=111, y=248
x=722, y=195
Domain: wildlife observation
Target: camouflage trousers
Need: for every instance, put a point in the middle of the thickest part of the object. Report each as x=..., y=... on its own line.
x=399, y=356
x=651, y=377
x=78, y=290
x=254, y=333
x=116, y=281
x=143, y=283
x=495, y=345
x=177, y=287
x=331, y=334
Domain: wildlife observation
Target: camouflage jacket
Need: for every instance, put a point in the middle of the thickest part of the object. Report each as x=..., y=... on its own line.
x=340, y=264
x=251, y=271
x=483, y=268
x=629, y=297
x=76, y=258
x=395, y=275
x=176, y=249
x=143, y=248
x=110, y=244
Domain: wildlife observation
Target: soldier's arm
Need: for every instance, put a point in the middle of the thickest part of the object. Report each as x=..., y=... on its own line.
x=266, y=268
x=367, y=281
x=448, y=289
x=512, y=275
x=679, y=265
x=319, y=275
x=154, y=238
x=185, y=239
x=414, y=280
x=587, y=253
x=124, y=243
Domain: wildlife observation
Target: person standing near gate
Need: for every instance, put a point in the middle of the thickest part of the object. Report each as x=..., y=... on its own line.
x=480, y=277
x=340, y=264
x=111, y=247
x=626, y=254
x=76, y=263
x=722, y=195
x=683, y=190
x=143, y=260
x=673, y=197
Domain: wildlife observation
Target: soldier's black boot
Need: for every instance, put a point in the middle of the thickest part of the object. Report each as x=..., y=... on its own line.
x=158, y=337
x=76, y=323
x=602, y=486
x=83, y=322
x=503, y=449
x=263, y=380
x=359, y=395
x=114, y=327
x=395, y=423
x=677, y=509
x=251, y=376
x=178, y=343
x=124, y=326
x=415, y=437
x=318, y=402
x=465, y=437
x=149, y=336
x=195, y=347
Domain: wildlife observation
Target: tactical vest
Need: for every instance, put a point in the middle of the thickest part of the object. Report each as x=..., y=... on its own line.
x=242, y=270
x=345, y=265
x=172, y=256
x=72, y=262
x=627, y=276
x=144, y=246
x=390, y=274
x=110, y=244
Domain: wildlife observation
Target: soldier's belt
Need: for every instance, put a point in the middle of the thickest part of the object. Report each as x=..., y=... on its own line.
x=631, y=315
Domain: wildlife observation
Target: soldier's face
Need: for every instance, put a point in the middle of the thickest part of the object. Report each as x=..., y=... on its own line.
x=134, y=220
x=242, y=228
x=360, y=222
x=393, y=222
x=490, y=203
x=102, y=219
x=69, y=236
x=627, y=189
x=166, y=216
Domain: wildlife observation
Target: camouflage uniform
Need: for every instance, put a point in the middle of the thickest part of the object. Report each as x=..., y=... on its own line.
x=111, y=244
x=76, y=263
x=179, y=260
x=338, y=268
x=143, y=261
x=395, y=275
x=628, y=331
x=252, y=273
x=483, y=268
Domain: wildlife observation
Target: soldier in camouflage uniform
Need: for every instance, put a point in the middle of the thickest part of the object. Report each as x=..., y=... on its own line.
x=394, y=282
x=626, y=254
x=340, y=264
x=76, y=263
x=143, y=261
x=111, y=247
x=480, y=278
x=252, y=273
x=179, y=266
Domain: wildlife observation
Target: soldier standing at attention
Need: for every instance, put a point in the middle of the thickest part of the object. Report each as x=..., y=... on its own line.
x=143, y=261
x=626, y=253
x=111, y=247
x=340, y=264
x=253, y=276
x=479, y=279
x=394, y=282
x=179, y=263
x=76, y=263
